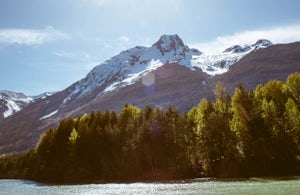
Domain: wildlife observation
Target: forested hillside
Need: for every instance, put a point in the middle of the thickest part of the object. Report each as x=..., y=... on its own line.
x=252, y=133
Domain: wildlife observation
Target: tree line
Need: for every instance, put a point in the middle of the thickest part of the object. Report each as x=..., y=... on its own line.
x=252, y=133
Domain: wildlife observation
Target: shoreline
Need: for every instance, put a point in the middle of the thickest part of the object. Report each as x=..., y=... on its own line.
x=166, y=181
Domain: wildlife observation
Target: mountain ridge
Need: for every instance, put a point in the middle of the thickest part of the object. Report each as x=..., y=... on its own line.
x=129, y=66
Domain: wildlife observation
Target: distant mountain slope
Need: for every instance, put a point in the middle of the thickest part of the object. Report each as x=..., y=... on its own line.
x=166, y=73
x=12, y=102
x=169, y=84
x=275, y=62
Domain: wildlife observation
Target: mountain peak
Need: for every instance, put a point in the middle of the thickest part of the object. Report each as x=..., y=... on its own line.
x=259, y=44
x=14, y=95
x=237, y=49
x=168, y=39
x=262, y=43
x=167, y=43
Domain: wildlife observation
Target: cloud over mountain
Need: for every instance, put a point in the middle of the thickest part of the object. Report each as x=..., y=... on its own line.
x=279, y=34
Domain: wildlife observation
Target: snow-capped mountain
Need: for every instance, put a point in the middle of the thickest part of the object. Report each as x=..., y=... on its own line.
x=12, y=102
x=129, y=66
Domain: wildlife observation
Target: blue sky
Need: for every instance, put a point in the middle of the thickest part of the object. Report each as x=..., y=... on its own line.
x=47, y=45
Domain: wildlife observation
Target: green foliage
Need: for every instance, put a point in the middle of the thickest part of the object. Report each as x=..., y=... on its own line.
x=73, y=137
x=292, y=87
x=255, y=132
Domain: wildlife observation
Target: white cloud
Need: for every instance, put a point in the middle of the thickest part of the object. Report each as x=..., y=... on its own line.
x=285, y=34
x=64, y=54
x=108, y=46
x=30, y=36
x=124, y=39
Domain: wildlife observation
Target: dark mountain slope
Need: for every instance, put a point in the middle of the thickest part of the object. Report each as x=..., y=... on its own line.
x=172, y=84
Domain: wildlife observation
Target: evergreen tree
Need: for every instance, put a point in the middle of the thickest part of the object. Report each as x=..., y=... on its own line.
x=252, y=137
x=292, y=87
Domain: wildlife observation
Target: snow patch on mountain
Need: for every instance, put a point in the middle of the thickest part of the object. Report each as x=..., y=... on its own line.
x=215, y=63
x=43, y=95
x=49, y=115
x=12, y=107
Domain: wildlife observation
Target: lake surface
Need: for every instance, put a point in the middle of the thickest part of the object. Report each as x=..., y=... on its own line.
x=196, y=186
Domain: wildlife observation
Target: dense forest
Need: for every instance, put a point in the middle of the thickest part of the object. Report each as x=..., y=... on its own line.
x=252, y=133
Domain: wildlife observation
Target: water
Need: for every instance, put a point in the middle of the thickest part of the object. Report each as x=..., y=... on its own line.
x=251, y=186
